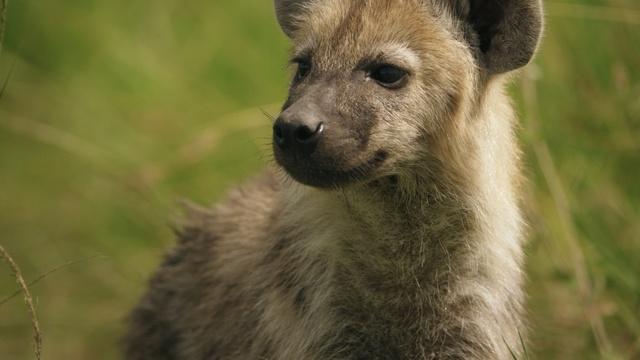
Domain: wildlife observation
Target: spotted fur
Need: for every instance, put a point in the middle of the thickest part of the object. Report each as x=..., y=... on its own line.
x=417, y=255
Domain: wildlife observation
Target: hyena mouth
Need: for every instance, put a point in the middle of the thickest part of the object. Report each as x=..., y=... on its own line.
x=327, y=176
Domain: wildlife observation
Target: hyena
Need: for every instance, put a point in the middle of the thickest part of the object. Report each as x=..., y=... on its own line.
x=390, y=228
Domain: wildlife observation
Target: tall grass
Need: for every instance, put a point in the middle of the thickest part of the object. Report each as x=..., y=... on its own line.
x=117, y=108
x=28, y=299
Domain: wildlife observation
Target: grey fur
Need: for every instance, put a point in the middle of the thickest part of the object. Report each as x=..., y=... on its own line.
x=418, y=255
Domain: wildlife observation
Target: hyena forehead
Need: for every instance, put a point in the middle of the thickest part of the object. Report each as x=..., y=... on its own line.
x=341, y=31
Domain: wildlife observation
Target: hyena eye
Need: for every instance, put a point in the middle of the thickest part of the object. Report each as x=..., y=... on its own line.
x=389, y=76
x=304, y=67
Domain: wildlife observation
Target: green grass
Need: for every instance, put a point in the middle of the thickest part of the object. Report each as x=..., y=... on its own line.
x=117, y=108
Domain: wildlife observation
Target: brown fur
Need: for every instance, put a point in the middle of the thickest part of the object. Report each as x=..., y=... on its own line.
x=417, y=257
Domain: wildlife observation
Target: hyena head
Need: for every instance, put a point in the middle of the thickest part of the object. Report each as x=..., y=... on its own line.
x=376, y=78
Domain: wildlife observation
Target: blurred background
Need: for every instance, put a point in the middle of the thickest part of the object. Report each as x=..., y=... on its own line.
x=112, y=110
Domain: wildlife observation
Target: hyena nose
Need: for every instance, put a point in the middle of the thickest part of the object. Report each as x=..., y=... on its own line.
x=299, y=135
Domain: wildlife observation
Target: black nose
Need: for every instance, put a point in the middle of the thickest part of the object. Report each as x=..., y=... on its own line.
x=303, y=135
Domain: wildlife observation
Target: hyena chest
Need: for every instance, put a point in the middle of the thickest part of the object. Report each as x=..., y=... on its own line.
x=338, y=295
x=357, y=315
x=375, y=319
x=352, y=325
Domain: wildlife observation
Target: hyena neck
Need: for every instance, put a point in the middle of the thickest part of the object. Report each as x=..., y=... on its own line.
x=439, y=246
x=461, y=195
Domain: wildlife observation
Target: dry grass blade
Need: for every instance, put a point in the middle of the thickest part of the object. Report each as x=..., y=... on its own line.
x=5, y=84
x=205, y=140
x=3, y=21
x=41, y=277
x=28, y=299
x=56, y=137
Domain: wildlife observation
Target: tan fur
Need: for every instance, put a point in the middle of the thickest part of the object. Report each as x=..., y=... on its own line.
x=419, y=260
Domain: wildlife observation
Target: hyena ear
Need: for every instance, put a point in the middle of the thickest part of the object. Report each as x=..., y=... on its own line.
x=287, y=11
x=506, y=32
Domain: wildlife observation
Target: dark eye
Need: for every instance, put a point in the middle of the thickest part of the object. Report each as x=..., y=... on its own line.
x=304, y=67
x=389, y=76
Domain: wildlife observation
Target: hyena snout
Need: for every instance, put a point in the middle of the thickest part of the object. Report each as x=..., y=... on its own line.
x=320, y=146
x=298, y=133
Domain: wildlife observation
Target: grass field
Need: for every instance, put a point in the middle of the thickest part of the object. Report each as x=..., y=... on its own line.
x=115, y=109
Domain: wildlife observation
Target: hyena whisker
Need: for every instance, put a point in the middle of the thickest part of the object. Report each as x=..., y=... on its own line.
x=270, y=117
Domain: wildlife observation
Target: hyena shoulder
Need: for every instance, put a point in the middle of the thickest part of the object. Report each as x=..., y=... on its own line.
x=207, y=275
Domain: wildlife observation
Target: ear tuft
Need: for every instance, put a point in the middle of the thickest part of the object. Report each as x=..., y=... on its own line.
x=286, y=12
x=508, y=32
